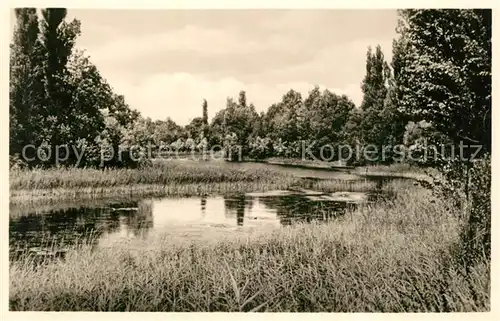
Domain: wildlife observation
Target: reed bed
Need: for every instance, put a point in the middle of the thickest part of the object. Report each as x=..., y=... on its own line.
x=53, y=196
x=391, y=257
x=162, y=178
x=159, y=173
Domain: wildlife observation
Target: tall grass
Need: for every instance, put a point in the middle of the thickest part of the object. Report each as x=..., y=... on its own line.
x=161, y=173
x=161, y=178
x=390, y=257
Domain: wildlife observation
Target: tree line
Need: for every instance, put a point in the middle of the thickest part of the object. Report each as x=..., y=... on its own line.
x=435, y=90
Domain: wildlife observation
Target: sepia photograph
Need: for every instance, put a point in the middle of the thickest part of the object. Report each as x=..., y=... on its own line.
x=249, y=160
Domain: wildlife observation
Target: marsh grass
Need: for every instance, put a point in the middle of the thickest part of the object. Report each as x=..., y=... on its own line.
x=43, y=196
x=390, y=257
x=160, y=179
x=382, y=187
x=159, y=173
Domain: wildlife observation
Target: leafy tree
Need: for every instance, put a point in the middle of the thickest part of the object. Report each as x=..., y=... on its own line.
x=273, y=120
x=290, y=125
x=195, y=128
x=352, y=129
x=424, y=143
x=178, y=145
x=375, y=82
x=238, y=119
x=307, y=110
x=57, y=96
x=205, y=112
x=285, y=119
x=217, y=128
x=190, y=144
x=447, y=75
x=323, y=122
x=167, y=131
x=89, y=94
x=328, y=117
x=202, y=145
x=232, y=149
x=120, y=110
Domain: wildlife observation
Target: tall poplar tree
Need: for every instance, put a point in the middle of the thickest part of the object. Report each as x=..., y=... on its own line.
x=26, y=92
x=205, y=118
x=58, y=39
x=374, y=87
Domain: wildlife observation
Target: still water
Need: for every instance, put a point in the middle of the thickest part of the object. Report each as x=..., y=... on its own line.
x=141, y=218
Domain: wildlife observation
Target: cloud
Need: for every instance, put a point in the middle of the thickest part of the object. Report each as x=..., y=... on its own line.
x=166, y=68
x=188, y=39
x=179, y=94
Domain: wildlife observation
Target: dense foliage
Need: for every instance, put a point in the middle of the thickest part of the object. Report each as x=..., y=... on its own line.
x=58, y=99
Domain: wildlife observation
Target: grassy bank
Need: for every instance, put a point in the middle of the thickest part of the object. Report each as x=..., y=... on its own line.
x=392, y=257
x=394, y=170
x=161, y=178
x=300, y=162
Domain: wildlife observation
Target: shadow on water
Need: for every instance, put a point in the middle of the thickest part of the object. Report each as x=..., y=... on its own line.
x=45, y=234
x=291, y=209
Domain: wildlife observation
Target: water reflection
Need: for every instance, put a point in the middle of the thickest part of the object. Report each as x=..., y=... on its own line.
x=140, y=218
x=235, y=207
x=203, y=206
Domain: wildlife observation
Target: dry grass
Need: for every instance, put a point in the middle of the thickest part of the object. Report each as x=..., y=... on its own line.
x=391, y=257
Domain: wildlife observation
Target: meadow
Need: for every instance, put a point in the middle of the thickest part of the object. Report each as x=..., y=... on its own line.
x=397, y=256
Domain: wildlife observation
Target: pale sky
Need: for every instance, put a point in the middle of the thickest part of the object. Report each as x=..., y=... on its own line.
x=166, y=61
